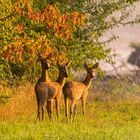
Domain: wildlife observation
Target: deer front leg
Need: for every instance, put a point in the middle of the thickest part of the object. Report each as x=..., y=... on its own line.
x=57, y=101
x=66, y=107
x=73, y=102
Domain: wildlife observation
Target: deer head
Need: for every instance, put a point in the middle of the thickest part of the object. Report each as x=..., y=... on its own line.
x=91, y=71
x=44, y=62
x=63, y=69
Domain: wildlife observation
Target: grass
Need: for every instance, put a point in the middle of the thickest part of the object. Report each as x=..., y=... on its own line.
x=105, y=119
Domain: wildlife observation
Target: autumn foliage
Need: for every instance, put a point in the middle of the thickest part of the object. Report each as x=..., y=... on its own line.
x=58, y=25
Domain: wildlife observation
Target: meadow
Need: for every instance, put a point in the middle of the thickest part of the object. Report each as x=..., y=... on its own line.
x=113, y=113
x=56, y=32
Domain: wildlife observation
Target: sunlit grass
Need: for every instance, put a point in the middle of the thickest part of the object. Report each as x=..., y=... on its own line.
x=107, y=121
x=79, y=130
x=108, y=117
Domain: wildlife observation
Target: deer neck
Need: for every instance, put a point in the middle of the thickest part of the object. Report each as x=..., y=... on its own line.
x=61, y=79
x=87, y=81
x=44, y=76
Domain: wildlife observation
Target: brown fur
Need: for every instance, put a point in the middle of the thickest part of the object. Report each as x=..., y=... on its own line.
x=46, y=91
x=75, y=91
x=55, y=90
x=41, y=87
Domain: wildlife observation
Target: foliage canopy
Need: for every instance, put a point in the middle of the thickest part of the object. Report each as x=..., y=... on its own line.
x=68, y=30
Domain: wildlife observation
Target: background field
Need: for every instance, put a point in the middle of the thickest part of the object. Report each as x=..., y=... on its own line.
x=113, y=113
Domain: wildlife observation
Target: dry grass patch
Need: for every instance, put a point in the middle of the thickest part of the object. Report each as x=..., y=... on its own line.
x=21, y=101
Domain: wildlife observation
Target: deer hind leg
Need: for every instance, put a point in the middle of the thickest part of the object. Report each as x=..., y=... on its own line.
x=47, y=107
x=84, y=106
x=50, y=109
x=75, y=112
x=73, y=103
x=42, y=102
x=57, y=102
x=66, y=107
x=38, y=112
x=42, y=113
x=38, y=109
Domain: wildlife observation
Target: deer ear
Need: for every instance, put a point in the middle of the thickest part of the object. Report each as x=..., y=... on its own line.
x=85, y=65
x=67, y=64
x=95, y=66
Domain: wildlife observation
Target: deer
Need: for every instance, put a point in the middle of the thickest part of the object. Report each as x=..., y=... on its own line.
x=40, y=87
x=75, y=91
x=55, y=90
x=47, y=91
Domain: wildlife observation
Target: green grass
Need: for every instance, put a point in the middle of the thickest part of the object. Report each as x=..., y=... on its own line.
x=113, y=113
x=104, y=121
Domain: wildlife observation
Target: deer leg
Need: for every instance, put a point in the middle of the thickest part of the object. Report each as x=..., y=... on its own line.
x=38, y=109
x=73, y=102
x=75, y=111
x=57, y=107
x=51, y=110
x=84, y=106
x=42, y=107
x=42, y=113
x=48, y=109
x=38, y=112
x=66, y=107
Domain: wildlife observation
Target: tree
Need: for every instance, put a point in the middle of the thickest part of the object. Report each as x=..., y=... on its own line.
x=44, y=30
x=65, y=29
x=101, y=17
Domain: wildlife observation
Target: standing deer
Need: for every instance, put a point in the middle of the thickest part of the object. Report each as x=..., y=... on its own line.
x=40, y=87
x=47, y=91
x=55, y=90
x=75, y=91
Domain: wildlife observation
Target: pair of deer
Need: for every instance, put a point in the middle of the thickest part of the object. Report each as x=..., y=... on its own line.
x=47, y=91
